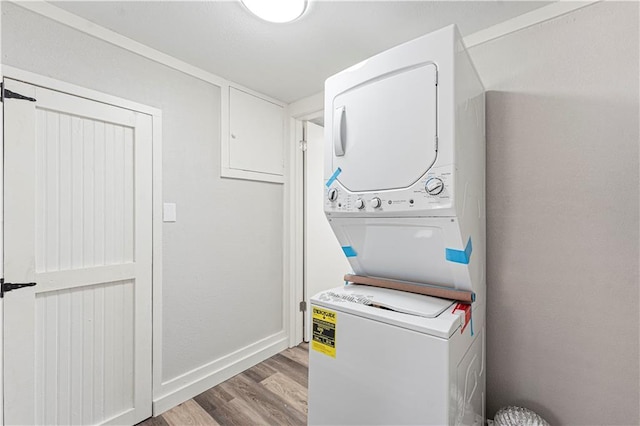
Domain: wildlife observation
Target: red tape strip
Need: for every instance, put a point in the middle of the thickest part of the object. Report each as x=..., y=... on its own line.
x=467, y=313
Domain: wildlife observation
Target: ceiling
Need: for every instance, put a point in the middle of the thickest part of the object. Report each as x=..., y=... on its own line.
x=286, y=61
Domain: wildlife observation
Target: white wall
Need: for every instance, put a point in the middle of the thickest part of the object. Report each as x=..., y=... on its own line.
x=562, y=216
x=222, y=270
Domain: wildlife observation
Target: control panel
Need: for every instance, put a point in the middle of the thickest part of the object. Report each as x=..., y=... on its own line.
x=432, y=191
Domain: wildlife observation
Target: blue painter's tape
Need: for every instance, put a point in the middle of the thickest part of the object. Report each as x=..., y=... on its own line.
x=333, y=177
x=349, y=251
x=460, y=256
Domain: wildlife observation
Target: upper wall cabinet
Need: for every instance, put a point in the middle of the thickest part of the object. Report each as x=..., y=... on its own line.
x=255, y=139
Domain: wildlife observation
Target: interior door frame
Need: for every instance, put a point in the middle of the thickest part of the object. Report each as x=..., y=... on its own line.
x=1, y=240
x=156, y=255
x=307, y=109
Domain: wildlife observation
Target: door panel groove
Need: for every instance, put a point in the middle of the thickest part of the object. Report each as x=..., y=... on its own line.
x=60, y=318
x=60, y=223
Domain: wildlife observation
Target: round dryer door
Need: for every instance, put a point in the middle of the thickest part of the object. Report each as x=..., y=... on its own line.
x=384, y=131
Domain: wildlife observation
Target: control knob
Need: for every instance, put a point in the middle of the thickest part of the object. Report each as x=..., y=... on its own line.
x=434, y=186
x=376, y=202
x=359, y=204
x=333, y=194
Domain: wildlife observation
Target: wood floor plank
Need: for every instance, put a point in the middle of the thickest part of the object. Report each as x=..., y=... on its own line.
x=268, y=405
x=294, y=370
x=222, y=394
x=214, y=397
x=260, y=372
x=214, y=402
x=289, y=390
x=297, y=354
x=243, y=406
x=154, y=421
x=189, y=413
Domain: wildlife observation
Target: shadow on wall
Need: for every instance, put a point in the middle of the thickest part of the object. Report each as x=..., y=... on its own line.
x=562, y=256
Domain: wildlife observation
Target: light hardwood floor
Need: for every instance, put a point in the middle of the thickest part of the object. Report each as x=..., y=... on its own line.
x=273, y=392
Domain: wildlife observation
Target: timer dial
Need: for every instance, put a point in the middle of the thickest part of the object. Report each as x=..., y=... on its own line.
x=434, y=186
x=376, y=202
x=333, y=194
x=359, y=204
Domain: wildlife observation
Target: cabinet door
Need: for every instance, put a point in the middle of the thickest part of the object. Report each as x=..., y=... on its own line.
x=256, y=132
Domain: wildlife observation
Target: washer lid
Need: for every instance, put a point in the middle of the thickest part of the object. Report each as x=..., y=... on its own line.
x=393, y=300
x=425, y=314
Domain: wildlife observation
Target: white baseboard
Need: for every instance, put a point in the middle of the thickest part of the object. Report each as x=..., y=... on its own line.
x=193, y=383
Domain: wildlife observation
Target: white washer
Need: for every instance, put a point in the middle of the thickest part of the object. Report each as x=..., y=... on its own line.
x=389, y=367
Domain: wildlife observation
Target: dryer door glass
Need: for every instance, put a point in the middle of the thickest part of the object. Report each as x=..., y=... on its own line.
x=385, y=129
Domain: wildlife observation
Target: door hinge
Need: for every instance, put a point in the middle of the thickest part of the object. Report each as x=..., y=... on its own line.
x=8, y=94
x=302, y=145
x=6, y=287
x=303, y=306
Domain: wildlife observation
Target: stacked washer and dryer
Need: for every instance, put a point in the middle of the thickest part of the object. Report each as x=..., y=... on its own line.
x=405, y=197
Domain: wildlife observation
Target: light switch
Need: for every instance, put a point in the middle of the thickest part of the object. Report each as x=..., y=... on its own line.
x=169, y=212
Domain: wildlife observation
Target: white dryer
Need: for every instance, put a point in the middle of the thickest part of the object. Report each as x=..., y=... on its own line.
x=405, y=196
x=405, y=164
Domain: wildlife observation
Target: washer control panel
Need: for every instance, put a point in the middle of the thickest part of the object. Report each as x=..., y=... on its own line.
x=433, y=191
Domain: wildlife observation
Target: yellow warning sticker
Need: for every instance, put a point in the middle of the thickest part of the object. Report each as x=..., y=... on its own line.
x=324, y=331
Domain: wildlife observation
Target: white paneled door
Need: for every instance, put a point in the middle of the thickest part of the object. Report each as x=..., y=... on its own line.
x=78, y=182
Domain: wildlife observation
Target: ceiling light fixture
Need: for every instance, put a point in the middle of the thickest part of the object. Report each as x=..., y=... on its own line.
x=278, y=11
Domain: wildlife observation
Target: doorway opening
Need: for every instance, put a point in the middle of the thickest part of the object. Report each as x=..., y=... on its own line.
x=324, y=263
